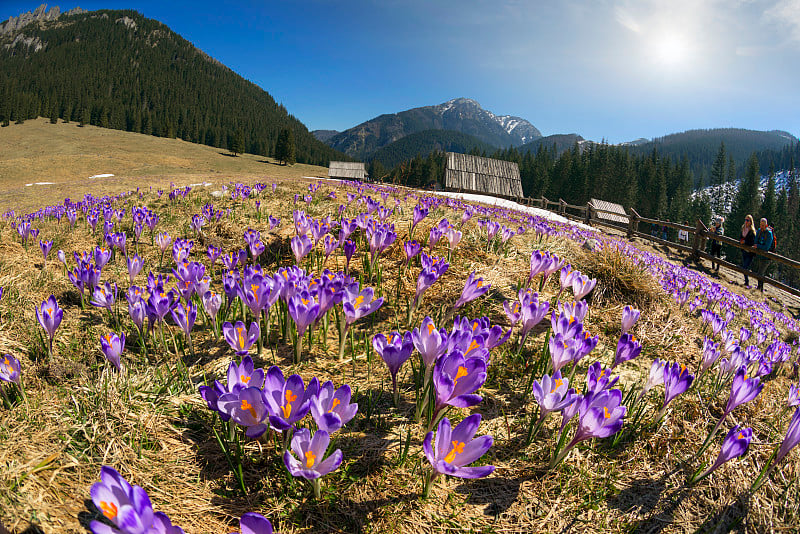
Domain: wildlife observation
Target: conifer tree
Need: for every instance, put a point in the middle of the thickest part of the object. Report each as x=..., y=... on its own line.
x=285, y=147
x=237, y=143
x=768, y=208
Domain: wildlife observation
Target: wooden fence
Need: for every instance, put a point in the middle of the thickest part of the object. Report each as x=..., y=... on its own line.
x=698, y=237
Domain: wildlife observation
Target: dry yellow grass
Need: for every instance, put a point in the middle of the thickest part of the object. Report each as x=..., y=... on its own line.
x=68, y=155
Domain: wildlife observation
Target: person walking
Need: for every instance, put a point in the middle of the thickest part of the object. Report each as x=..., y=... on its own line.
x=764, y=239
x=716, y=246
x=747, y=238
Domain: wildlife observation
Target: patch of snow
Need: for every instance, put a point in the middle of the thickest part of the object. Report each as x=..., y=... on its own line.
x=100, y=176
x=28, y=185
x=508, y=204
x=202, y=184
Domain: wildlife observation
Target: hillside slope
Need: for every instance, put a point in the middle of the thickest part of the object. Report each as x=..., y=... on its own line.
x=120, y=70
x=66, y=155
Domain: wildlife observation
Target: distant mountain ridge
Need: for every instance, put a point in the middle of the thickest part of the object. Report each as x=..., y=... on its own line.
x=460, y=114
x=427, y=141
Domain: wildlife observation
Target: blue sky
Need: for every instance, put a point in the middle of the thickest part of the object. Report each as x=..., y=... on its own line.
x=612, y=69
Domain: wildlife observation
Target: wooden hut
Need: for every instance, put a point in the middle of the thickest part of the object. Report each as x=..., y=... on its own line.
x=473, y=174
x=619, y=216
x=347, y=170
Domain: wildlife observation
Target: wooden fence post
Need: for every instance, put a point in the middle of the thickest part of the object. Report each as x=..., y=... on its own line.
x=562, y=206
x=633, y=223
x=700, y=228
x=589, y=214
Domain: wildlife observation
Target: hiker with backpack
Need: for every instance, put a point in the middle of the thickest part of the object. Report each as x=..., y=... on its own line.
x=747, y=238
x=765, y=240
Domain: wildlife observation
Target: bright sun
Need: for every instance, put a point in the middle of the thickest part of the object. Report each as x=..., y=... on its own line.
x=670, y=49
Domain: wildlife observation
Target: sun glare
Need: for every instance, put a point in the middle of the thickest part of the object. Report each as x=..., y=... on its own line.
x=670, y=50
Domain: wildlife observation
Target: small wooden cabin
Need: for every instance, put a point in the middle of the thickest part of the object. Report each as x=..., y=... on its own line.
x=619, y=216
x=347, y=170
x=474, y=174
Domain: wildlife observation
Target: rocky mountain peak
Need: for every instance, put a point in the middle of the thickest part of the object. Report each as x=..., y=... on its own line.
x=40, y=14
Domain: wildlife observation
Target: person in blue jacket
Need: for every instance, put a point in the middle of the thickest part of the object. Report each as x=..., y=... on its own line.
x=764, y=239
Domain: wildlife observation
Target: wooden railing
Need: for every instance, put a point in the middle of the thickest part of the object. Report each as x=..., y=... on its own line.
x=698, y=235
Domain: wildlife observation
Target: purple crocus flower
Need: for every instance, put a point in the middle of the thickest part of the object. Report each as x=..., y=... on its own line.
x=274, y=222
x=429, y=342
x=419, y=214
x=311, y=450
x=10, y=369
x=127, y=507
x=101, y=256
x=112, y=346
x=531, y=313
x=455, y=448
x=599, y=416
x=301, y=246
x=791, y=439
x=357, y=304
x=411, y=249
x=349, y=248
x=627, y=349
x=473, y=289
x=562, y=351
x=734, y=445
x=212, y=302
x=655, y=377
x=239, y=338
x=253, y=523
x=49, y=316
x=105, y=296
x=711, y=354
x=332, y=409
x=46, y=246
x=185, y=317
x=677, y=379
x=629, y=318
x=552, y=394
x=288, y=399
x=455, y=380
x=582, y=285
x=794, y=395
x=598, y=380
x=394, y=351
x=248, y=408
x=743, y=390
x=303, y=309
x=135, y=264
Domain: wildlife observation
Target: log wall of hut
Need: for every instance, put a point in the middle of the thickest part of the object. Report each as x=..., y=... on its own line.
x=482, y=175
x=346, y=169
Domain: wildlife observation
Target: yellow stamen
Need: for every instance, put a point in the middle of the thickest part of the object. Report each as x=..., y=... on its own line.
x=336, y=402
x=458, y=448
x=557, y=384
x=108, y=340
x=245, y=379
x=472, y=346
x=249, y=407
x=310, y=459
x=287, y=408
x=607, y=415
x=740, y=436
x=359, y=300
x=109, y=509
x=462, y=371
x=430, y=329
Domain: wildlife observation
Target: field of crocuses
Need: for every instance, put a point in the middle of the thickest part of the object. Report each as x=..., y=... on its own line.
x=345, y=357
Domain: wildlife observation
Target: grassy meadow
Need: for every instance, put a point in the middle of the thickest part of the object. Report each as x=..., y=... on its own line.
x=148, y=421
